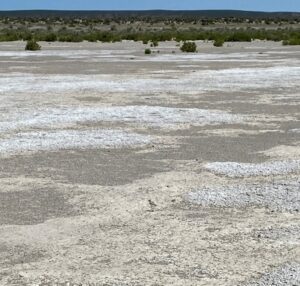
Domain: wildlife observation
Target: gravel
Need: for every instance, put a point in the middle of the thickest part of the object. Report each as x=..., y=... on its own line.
x=290, y=234
x=280, y=196
x=285, y=275
x=238, y=170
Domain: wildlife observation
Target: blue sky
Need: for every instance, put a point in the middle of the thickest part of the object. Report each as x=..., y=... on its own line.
x=256, y=5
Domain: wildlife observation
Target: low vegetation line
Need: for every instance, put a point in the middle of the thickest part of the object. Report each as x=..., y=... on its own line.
x=289, y=36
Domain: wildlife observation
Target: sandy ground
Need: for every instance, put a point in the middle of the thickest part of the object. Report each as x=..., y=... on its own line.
x=118, y=168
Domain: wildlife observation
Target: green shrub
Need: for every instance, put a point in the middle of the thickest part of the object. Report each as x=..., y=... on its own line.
x=285, y=42
x=148, y=52
x=240, y=36
x=219, y=43
x=51, y=37
x=71, y=38
x=32, y=45
x=154, y=44
x=292, y=42
x=189, y=47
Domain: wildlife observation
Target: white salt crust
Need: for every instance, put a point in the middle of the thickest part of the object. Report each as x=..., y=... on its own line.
x=128, y=54
x=149, y=115
x=233, y=169
x=296, y=130
x=285, y=275
x=70, y=139
x=281, y=78
x=279, y=196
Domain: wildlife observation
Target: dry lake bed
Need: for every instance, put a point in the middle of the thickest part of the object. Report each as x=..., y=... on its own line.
x=119, y=168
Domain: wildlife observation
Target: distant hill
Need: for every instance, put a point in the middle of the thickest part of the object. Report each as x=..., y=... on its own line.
x=200, y=14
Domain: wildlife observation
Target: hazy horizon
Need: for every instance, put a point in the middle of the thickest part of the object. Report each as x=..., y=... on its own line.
x=123, y=5
x=141, y=10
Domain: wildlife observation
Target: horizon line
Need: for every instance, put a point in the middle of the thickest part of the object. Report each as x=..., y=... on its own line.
x=145, y=10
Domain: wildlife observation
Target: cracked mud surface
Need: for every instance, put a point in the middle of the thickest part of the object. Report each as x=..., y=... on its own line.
x=90, y=133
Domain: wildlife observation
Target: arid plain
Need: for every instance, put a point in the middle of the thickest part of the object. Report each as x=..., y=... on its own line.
x=119, y=168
